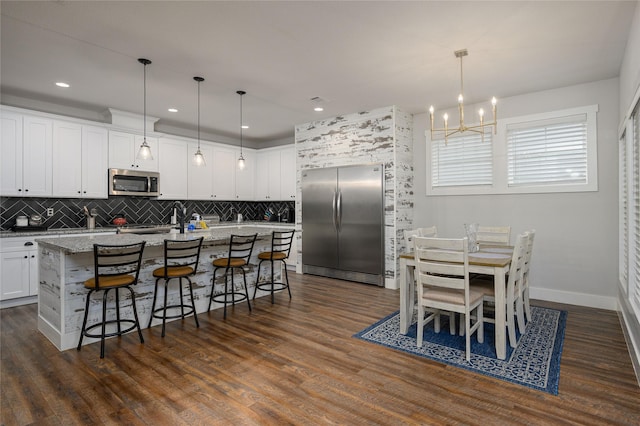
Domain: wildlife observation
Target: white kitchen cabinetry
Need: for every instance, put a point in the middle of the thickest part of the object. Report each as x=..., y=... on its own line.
x=268, y=175
x=19, y=264
x=200, y=178
x=79, y=160
x=224, y=173
x=245, y=179
x=288, y=173
x=123, y=149
x=173, y=168
x=26, y=149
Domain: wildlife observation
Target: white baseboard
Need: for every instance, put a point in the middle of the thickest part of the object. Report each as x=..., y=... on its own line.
x=573, y=298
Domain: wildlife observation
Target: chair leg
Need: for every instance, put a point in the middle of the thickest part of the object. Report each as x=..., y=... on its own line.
x=246, y=292
x=511, y=324
x=213, y=285
x=286, y=276
x=181, y=297
x=520, y=315
x=226, y=289
x=164, y=311
x=255, y=289
x=272, y=285
x=104, y=321
x=527, y=306
x=193, y=302
x=135, y=313
x=420, y=325
x=153, y=304
x=467, y=336
x=480, y=316
x=118, y=310
x=84, y=322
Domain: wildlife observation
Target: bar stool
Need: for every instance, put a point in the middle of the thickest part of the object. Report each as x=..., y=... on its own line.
x=115, y=267
x=240, y=248
x=280, y=249
x=180, y=261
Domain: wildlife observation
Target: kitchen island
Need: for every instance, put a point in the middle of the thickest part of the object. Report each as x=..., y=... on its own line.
x=65, y=263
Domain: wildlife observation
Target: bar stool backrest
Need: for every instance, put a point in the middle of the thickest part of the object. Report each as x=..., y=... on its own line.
x=114, y=260
x=182, y=254
x=241, y=246
x=281, y=242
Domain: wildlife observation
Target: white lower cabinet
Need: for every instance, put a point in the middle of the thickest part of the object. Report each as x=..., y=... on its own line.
x=19, y=265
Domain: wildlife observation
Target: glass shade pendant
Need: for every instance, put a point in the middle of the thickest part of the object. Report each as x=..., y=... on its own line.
x=144, y=153
x=198, y=158
x=241, y=162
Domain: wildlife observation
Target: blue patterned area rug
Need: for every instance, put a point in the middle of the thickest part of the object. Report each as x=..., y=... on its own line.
x=534, y=362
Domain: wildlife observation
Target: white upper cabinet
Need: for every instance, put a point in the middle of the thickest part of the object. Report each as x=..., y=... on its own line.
x=276, y=174
x=200, y=177
x=224, y=173
x=79, y=160
x=173, y=167
x=123, y=149
x=245, y=179
x=26, y=155
x=288, y=173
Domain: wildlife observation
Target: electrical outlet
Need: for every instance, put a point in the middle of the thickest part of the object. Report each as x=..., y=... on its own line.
x=50, y=212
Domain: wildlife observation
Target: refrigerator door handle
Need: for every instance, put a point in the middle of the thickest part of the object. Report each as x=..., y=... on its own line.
x=339, y=211
x=334, y=210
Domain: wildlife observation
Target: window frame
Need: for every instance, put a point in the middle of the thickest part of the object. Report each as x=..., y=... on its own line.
x=500, y=183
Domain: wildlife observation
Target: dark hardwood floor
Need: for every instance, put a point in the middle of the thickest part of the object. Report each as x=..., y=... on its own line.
x=295, y=362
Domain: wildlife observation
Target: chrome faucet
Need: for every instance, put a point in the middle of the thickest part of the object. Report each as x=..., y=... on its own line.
x=182, y=212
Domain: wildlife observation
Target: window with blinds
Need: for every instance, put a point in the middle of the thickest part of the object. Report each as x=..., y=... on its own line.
x=548, y=152
x=624, y=214
x=465, y=160
x=635, y=243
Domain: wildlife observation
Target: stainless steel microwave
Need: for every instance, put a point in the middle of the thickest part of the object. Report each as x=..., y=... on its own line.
x=133, y=182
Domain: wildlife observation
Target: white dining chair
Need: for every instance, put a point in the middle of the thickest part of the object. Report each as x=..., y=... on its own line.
x=442, y=273
x=494, y=235
x=409, y=234
x=513, y=290
x=526, y=274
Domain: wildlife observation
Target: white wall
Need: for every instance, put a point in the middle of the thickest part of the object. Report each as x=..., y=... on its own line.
x=575, y=257
x=630, y=68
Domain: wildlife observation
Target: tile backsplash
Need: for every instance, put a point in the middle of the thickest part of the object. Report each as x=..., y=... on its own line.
x=68, y=212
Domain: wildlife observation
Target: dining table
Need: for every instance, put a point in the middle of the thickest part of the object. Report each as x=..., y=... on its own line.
x=489, y=260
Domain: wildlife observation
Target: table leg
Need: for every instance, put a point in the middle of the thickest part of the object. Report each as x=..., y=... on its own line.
x=500, y=313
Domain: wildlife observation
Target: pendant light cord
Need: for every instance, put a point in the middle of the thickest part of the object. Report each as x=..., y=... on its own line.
x=144, y=109
x=241, y=93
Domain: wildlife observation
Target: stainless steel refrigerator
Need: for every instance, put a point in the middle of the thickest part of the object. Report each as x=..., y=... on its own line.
x=343, y=223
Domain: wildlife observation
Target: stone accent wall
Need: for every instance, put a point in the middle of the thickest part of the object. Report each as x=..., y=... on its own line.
x=383, y=135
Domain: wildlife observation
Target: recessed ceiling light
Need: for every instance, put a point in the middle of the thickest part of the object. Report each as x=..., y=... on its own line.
x=173, y=110
x=318, y=109
x=62, y=84
x=318, y=103
x=244, y=126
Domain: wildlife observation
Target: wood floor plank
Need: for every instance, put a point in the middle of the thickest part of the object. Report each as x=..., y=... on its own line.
x=296, y=362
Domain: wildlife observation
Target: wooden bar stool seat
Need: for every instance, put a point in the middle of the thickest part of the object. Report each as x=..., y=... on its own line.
x=115, y=267
x=181, y=259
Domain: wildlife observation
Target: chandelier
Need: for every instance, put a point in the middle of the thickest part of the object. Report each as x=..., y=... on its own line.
x=479, y=128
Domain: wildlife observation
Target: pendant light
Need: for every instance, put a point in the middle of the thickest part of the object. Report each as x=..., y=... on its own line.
x=241, y=158
x=198, y=158
x=144, y=153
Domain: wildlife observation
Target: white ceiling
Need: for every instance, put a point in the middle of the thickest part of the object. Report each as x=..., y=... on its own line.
x=357, y=55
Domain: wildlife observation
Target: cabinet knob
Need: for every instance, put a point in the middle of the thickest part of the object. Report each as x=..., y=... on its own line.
x=32, y=256
x=84, y=192
x=19, y=189
x=26, y=257
x=26, y=190
x=28, y=243
x=78, y=192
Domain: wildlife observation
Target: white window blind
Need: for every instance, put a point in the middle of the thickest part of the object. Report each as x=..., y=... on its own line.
x=465, y=160
x=635, y=252
x=548, y=152
x=624, y=214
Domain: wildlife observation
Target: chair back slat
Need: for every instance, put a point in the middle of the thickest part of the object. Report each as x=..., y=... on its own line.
x=410, y=234
x=281, y=242
x=182, y=253
x=112, y=260
x=442, y=262
x=241, y=246
x=494, y=235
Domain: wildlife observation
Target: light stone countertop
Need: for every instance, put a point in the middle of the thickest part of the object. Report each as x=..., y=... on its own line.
x=83, y=244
